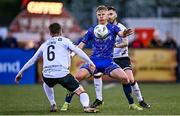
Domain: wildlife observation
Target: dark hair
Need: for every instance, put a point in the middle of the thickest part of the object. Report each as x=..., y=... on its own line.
x=55, y=28
x=111, y=8
x=101, y=7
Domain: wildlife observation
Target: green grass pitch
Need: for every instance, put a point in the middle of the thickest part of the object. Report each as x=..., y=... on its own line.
x=30, y=99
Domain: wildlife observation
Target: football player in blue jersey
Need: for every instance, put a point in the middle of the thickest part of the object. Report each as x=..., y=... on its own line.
x=102, y=57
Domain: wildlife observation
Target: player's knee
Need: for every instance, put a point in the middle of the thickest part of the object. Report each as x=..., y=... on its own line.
x=125, y=80
x=80, y=90
x=131, y=81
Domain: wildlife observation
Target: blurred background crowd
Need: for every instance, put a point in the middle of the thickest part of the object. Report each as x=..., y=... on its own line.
x=23, y=23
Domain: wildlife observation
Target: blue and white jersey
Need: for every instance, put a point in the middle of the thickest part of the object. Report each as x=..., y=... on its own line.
x=120, y=52
x=102, y=48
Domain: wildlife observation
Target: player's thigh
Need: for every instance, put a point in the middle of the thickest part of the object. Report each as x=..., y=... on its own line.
x=120, y=75
x=51, y=82
x=130, y=75
x=82, y=74
x=69, y=82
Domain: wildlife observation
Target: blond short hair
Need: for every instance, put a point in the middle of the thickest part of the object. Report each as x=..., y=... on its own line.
x=101, y=7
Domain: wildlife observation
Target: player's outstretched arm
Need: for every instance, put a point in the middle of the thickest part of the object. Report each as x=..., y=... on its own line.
x=83, y=55
x=125, y=33
x=81, y=46
x=28, y=64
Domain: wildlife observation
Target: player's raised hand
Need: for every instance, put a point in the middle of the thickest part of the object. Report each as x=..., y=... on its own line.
x=127, y=32
x=18, y=78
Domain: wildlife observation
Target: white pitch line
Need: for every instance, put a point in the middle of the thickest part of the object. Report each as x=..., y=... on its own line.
x=108, y=86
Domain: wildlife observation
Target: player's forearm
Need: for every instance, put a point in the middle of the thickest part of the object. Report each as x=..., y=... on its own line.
x=83, y=55
x=27, y=65
x=31, y=61
x=81, y=46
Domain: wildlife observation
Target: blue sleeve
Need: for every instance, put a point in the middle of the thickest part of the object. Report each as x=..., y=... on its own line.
x=116, y=29
x=88, y=36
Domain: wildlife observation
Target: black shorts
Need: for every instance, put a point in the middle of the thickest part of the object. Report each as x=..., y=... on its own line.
x=124, y=63
x=67, y=82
